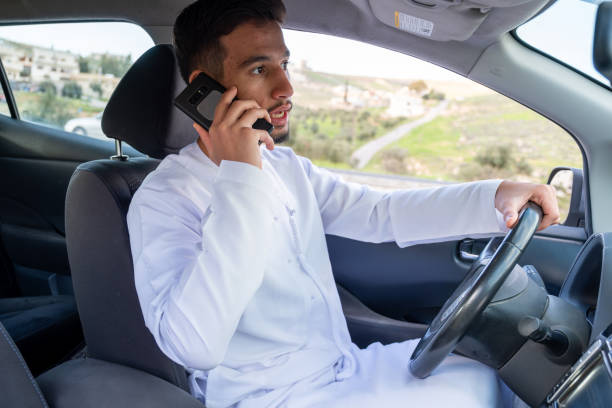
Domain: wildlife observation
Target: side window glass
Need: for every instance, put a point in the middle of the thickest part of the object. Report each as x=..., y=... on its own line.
x=394, y=122
x=63, y=74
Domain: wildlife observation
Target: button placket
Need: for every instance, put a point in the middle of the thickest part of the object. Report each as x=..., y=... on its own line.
x=285, y=197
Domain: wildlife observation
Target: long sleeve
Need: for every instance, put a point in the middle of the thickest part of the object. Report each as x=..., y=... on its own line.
x=196, y=273
x=407, y=217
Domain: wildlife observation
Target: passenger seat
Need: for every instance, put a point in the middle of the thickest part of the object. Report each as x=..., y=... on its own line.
x=46, y=328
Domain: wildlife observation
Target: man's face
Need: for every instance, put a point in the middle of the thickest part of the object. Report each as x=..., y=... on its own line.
x=255, y=62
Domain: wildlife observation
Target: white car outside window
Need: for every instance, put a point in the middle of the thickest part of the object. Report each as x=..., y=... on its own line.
x=87, y=126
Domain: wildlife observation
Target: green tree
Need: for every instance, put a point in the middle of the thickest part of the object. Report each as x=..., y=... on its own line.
x=115, y=65
x=498, y=157
x=72, y=90
x=97, y=88
x=47, y=108
x=418, y=86
x=434, y=95
x=48, y=87
x=84, y=64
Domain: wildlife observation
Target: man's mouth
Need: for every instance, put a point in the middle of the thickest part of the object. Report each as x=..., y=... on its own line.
x=279, y=115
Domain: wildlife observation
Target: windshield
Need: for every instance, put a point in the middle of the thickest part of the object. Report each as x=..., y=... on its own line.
x=565, y=32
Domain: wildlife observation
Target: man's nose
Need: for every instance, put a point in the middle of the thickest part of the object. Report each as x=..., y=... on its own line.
x=282, y=86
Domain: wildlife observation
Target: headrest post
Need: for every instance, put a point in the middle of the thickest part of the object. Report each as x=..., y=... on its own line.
x=119, y=156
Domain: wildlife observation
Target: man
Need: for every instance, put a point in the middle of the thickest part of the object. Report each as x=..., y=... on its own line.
x=228, y=242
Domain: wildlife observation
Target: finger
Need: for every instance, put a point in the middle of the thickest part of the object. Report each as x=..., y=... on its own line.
x=260, y=136
x=204, y=138
x=238, y=108
x=249, y=117
x=224, y=104
x=510, y=216
x=203, y=133
x=546, y=198
x=267, y=139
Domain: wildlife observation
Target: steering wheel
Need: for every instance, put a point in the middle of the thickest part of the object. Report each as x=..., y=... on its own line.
x=485, y=277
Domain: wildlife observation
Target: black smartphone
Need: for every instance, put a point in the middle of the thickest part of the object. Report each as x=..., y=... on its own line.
x=200, y=99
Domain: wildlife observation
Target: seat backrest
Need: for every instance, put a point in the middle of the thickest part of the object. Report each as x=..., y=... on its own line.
x=141, y=113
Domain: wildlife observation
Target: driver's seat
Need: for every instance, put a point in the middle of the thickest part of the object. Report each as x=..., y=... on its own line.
x=141, y=113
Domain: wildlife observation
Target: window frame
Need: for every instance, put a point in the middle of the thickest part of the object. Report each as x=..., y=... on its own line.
x=525, y=44
x=8, y=93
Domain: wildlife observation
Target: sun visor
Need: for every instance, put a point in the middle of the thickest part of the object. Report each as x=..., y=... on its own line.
x=440, y=20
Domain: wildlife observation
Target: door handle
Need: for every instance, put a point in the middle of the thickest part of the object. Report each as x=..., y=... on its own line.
x=465, y=251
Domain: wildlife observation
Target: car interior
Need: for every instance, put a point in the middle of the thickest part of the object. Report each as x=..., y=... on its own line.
x=72, y=329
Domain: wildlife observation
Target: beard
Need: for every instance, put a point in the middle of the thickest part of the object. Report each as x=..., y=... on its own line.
x=281, y=137
x=283, y=134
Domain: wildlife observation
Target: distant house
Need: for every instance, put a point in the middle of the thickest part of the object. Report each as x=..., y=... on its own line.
x=52, y=65
x=17, y=60
x=405, y=102
x=28, y=63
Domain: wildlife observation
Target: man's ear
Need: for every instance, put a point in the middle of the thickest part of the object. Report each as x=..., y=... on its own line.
x=194, y=74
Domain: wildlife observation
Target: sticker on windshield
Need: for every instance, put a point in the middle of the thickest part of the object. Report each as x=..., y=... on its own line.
x=413, y=24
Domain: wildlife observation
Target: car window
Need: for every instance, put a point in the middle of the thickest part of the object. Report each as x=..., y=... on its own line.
x=391, y=121
x=565, y=31
x=63, y=74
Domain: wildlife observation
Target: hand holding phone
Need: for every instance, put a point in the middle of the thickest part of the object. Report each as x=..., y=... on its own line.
x=200, y=99
x=233, y=135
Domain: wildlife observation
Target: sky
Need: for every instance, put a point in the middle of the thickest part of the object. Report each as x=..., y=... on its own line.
x=565, y=31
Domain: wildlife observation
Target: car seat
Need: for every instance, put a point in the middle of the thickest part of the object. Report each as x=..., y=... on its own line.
x=140, y=112
x=82, y=383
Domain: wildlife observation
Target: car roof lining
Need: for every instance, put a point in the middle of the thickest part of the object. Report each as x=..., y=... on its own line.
x=351, y=19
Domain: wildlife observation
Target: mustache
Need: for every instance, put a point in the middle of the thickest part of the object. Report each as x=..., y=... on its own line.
x=278, y=105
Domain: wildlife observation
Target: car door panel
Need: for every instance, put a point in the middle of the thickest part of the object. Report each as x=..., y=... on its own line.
x=397, y=282
x=367, y=326
x=411, y=284
x=32, y=219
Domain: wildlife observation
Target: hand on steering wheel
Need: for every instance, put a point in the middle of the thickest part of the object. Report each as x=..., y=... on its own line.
x=485, y=277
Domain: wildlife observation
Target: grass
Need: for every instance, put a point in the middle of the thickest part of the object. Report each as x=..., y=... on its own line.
x=446, y=148
x=329, y=136
x=80, y=107
x=332, y=165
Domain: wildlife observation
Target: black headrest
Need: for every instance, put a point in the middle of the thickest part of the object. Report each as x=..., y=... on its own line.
x=140, y=111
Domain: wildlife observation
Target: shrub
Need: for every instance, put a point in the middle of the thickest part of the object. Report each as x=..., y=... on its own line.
x=48, y=87
x=72, y=90
x=97, y=88
x=394, y=160
x=434, y=95
x=495, y=162
x=338, y=151
x=498, y=157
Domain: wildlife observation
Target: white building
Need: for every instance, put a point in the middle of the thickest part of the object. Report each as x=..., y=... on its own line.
x=52, y=65
x=405, y=102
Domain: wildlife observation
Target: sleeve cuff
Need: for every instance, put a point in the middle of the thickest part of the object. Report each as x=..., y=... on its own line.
x=490, y=189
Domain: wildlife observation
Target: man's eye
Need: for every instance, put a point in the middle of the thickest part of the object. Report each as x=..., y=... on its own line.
x=258, y=70
x=285, y=65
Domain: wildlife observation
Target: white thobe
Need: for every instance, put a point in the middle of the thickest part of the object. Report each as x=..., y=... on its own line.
x=235, y=283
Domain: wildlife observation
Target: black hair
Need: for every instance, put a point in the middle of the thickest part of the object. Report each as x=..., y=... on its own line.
x=200, y=25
